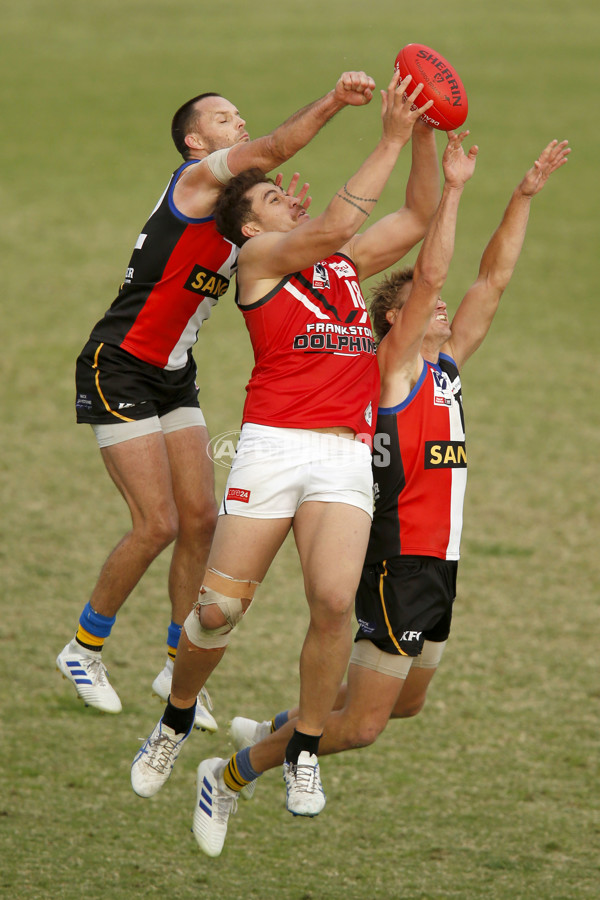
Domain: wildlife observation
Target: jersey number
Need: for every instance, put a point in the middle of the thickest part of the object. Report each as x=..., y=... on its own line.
x=357, y=298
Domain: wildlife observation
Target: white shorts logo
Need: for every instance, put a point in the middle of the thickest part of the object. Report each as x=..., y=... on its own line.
x=411, y=635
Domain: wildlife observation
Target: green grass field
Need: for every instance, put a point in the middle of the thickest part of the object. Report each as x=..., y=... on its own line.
x=493, y=791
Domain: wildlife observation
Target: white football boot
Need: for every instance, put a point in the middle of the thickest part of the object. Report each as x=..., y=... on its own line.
x=85, y=669
x=155, y=759
x=305, y=796
x=214, y=804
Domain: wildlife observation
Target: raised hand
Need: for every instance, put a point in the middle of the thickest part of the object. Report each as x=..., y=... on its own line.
x=354, y=89
x=550, y=159
x=458, y=166
x=303, y=197
x=399, y=112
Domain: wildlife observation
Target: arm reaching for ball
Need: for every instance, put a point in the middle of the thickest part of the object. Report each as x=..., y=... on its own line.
x=474, y=316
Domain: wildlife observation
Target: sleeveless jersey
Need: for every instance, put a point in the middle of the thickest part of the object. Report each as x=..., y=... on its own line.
x=178, y=270
x=420, y=469
x=314, y=353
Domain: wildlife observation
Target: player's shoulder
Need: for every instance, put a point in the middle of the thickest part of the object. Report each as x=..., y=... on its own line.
x=256, y=250
x=196, y=190
x=447, y=357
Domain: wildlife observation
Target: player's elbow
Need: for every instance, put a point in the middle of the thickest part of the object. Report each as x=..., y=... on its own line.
x=277, y=151
x=494, y=282
x=422, y=220
x=266, y=153
x=336, y=231
x=421, y=215
x=498, y=283
x=431, y=278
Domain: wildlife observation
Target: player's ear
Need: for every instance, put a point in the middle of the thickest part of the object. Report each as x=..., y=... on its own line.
x=392, y=314
x=194, y=141
x=251, y=229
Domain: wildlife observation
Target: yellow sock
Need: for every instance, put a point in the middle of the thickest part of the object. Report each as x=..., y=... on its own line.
x=232, y=777
x=91, y=640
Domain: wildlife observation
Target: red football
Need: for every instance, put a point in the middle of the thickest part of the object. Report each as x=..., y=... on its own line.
x=440, y=83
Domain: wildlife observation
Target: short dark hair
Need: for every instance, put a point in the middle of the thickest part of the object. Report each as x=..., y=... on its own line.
x=385, y=296
x=234, y=208
x=183, y=122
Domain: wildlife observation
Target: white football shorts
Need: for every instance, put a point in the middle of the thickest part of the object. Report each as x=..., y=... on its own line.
x=276, y=469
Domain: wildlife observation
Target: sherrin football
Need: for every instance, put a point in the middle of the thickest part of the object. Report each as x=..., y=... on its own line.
x=441, y=84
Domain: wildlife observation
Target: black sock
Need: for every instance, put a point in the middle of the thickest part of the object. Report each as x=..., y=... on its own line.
x=93, y=647
x=298, y=743
x=180, y=720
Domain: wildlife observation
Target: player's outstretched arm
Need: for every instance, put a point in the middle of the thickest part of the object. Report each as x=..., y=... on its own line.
x=385, y=242
x=198, y=188
x=476, y=312
x=266, y=153
x=273, y=254
x=399, y=353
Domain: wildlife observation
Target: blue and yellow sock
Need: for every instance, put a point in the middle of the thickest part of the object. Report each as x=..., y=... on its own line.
x=238, y=771
x=279, y=720
x=93, y=628
x=173, y=635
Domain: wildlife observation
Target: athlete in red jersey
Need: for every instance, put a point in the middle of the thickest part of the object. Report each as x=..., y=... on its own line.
x=299, y=465
x=419, y=355
x=136, y=375
x=314, y=350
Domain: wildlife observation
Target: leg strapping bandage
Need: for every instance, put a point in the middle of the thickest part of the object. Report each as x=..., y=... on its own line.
x=227, y=593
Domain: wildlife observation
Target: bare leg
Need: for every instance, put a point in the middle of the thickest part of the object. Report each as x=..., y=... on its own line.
x=412, y=697
x=364, y=705
x=242, y=548
x=194, y=492
x=332, y=541
x=370, y=699
x=191, y=671
x=140, y=470
x=340, y=702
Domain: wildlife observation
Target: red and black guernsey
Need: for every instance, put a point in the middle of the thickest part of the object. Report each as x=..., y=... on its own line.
x=420, y=470
x=178, y=270
x=314, y=353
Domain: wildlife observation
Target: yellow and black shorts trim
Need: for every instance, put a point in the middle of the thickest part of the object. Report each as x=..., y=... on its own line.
x=403, y=601
x=114, y=386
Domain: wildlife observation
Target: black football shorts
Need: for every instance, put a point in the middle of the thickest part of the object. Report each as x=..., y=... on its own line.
x=112, y=385
x=404, y=601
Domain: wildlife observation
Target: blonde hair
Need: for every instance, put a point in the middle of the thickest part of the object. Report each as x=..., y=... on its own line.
x=386, y=295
